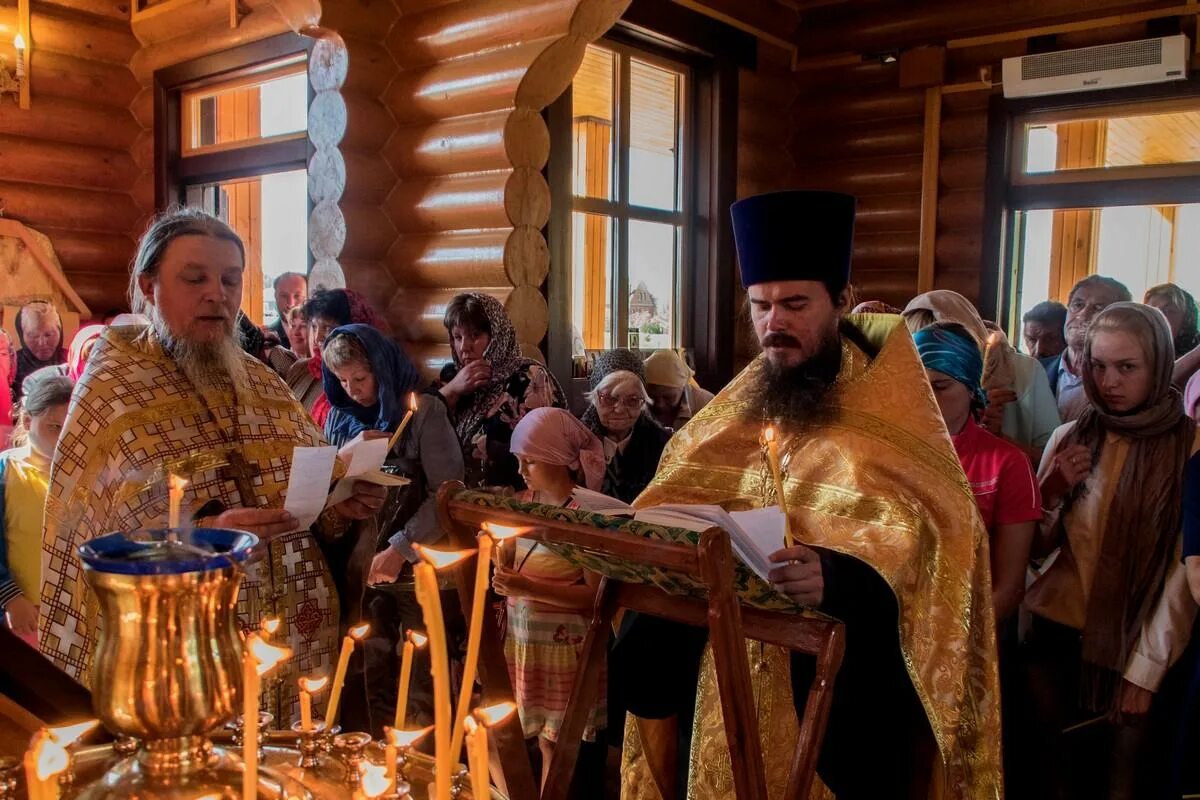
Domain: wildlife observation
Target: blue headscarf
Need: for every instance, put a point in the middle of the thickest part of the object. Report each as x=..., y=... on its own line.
x=953, y=354
x=395, y=377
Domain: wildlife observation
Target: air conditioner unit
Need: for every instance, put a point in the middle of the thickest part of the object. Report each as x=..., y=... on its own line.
x=1106, y=66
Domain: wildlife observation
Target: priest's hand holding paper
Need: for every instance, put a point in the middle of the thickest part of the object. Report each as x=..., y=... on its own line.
x=365, y=499
x=800, y=577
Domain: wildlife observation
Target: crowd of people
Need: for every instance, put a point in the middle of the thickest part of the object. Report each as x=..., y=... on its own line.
x=1078, y=451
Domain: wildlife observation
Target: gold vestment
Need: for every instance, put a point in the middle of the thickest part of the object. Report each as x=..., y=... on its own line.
x=134, y=418
x=880, y=482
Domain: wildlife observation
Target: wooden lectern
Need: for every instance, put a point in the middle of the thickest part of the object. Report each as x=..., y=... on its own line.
x=671, y=573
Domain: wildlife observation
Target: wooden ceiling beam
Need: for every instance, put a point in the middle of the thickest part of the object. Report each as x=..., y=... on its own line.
x=767, y=20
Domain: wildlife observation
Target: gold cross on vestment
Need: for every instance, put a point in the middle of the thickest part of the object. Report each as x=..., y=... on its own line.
x=242, y=473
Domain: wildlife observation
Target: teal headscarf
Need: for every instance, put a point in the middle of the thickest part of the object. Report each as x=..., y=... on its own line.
x=954, y=354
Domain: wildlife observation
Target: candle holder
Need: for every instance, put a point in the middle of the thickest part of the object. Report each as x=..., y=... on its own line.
x=312, y=743
x=460, y=782
x=126, y=746
x=9, y=769
x=351, y=748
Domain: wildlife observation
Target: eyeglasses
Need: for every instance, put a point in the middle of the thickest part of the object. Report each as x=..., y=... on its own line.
x=633, y=403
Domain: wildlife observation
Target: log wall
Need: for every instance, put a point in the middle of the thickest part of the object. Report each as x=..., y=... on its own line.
x=66, y=166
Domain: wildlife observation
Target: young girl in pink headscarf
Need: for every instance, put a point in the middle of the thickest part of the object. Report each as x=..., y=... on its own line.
x=548, y=597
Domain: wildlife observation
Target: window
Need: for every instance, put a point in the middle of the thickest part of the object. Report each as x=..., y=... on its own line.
x=1106, y=189
x=238, y=147
x=629, y=221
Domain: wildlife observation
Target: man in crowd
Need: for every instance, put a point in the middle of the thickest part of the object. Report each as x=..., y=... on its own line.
x=40, y=331
x=889, y=529
x=1042, y=331
x=180, y=397
x=1088, y=298
x=291, y=290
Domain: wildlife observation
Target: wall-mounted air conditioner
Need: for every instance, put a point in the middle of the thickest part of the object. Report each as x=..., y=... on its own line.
x=1106, y=66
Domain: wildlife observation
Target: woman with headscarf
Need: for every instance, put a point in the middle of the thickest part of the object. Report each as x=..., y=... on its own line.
x=1021, y=406
x=549, y=599
x=40, y=331
x=675, y=396
x=325, y=310
x=1112, y=612
x=999, y=473
x=7, y=366
x=81, y=349
x=490, y=387
x=619, y=414
x=1179, y=307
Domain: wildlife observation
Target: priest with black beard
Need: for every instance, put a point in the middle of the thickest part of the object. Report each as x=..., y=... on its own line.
x=890, y=543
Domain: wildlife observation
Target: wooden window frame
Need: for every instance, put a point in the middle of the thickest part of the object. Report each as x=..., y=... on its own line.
x=1008, y=191
x=189, y=124
x=706, y=314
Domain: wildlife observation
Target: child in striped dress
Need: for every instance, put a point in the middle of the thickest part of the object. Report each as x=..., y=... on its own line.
x=549, y=599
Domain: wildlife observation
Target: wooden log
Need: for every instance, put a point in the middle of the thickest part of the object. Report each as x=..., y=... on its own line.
x=960, y=249
x=964, y=131
x=370, y=279
x=58, y=207
x=885, y=213
x=142, y=108
x=143, y=198
x=866, y=176
x=452, y=31
x=964, y=169
x=98, y=290
x=429, y=357
x=550, y=73
x=369, y=233
x=834, y=110
x=57, y=164
x=258, y=24
x=86, y=251
x=327, y=175
x=527, y=257
x=495, y=140
x=593, y=18
x=961, y=209
x=962, y=103
x=530, y=315
x=368, y=123
x=328, y=63
x=326, y=273
x=164, y=21
x=886, y=251
x=61, y=30
x=328, y=118
x=465, y=202
x=418, y=313
x=859, y=141
x=469, y=85
x=111, y=9
x=963, y=281
x=326, y=231
x=417, y=6
x=766, y=88
x=368, y=178
x=361, y=19
x=863, y=73
x=371, y=67
x=299, y=14
x=446, y=260
x=762, y=158
x=81, y=79
x=894, y=286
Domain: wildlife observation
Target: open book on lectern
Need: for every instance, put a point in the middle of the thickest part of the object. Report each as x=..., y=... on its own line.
x=754, y=535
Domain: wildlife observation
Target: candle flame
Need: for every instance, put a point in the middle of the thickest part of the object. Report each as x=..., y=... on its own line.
x=176, y=483
x=470, y=725
x=266, y=654
x=502, y=532
x=313, y=685
x=19, y=42
x=440, y=559
x=412, y=401
x=271, y=625
x=360, y=631
x=494, y=715
x=51, y=756
x=374, y=779
x=406, y=738
x=67, y=735
x=418, y=639
x=769, y=434
x=993, y=339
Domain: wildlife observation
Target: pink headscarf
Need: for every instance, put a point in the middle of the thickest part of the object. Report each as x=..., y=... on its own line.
x=554, y=436
x=76, y=360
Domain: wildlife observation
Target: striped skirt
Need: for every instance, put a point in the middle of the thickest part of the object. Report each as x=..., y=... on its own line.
x=542, y=650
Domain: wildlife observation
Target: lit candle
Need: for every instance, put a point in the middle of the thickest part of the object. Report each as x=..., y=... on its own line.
x=309, y=687
x=477, y=748
x=777, y=474
x=355, y=634
x=258, y=658
x=269, y=626
x=399, y=740
x=988, y=367
x=412, y=409
x=372, y=780
x=412, y=640
x=175, y=487
x=482, y=565
x=19, y=45
x=431, y=606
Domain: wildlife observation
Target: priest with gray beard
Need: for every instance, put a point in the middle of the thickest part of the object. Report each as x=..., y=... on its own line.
x=181, y=397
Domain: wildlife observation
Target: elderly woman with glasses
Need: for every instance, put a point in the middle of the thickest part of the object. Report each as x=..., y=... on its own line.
x=620, y=417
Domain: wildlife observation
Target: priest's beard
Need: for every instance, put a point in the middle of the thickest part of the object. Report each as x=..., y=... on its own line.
x=207, y=364
x=797, y=393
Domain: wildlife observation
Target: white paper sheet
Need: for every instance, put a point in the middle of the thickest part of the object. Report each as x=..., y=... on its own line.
x=308, y=485
x=363, y=455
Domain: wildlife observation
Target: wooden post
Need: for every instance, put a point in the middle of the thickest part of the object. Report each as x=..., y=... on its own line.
x=23, y=29
x=930, y=162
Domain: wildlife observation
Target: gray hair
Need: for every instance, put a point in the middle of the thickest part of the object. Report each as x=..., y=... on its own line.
x=44, y=389
x=164, y=229
x=284, y=276
x=617, y=380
